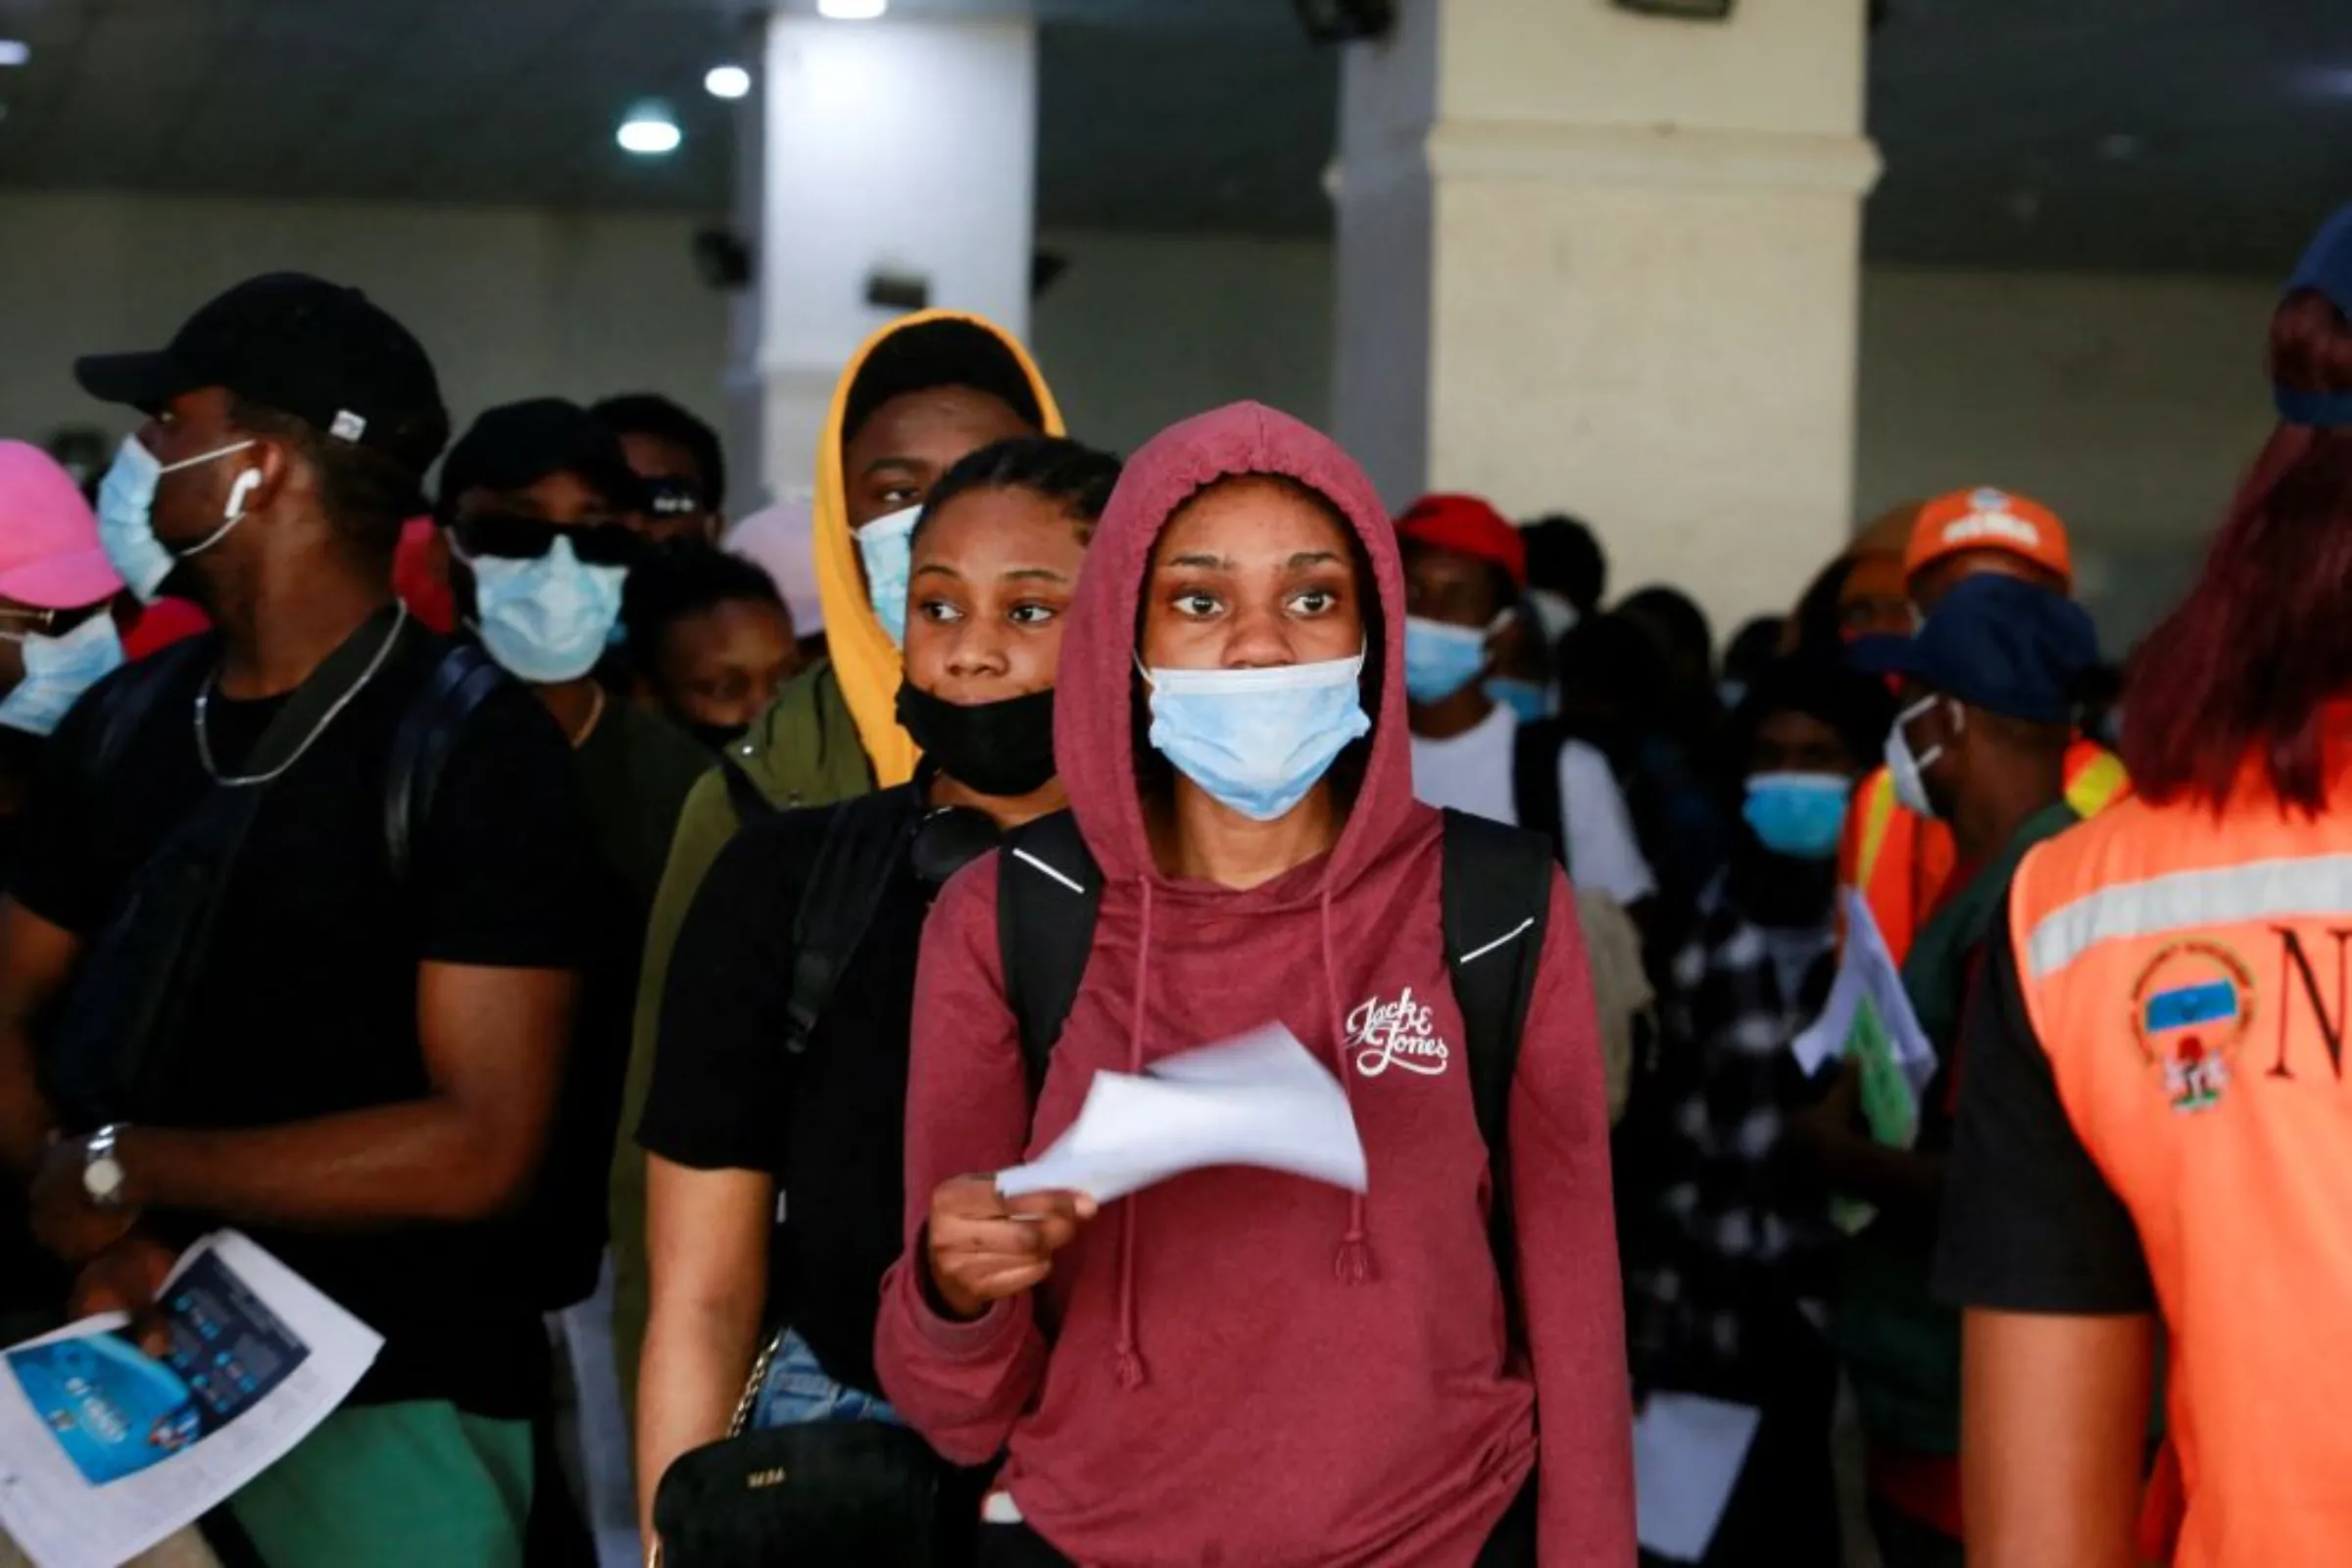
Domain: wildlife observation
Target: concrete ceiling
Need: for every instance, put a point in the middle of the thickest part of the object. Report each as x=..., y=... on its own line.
x=2168, y=136
x=2142, y=134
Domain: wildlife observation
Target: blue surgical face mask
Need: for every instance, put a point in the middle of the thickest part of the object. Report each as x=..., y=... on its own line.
x=1530, y=701
x=1798, y=815
x=125, y=515
x=1257, y=740
x=57, y=670
x=547, y=619
x=1440, y=659
x=886, y=546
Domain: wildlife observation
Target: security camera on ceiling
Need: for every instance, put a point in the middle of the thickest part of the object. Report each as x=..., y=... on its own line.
x=1683, y=10
x=1346, y=21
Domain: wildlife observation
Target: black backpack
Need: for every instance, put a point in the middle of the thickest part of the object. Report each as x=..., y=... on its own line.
x=1497, y=899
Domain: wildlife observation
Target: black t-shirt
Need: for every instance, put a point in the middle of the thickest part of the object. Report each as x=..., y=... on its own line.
x=829, y=1125
x=2030, y=1224
x=307, y=1006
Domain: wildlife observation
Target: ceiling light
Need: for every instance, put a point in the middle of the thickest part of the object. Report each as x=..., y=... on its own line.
x=851, y=10
x=649, y=131
x=727, y=82
x=15, y=51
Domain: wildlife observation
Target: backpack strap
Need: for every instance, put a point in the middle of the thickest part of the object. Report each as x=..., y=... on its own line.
x=126, y=699
x=863, y=840
x=1535, y=784
x=420, y=747
x=1048, y=895
x=1496, y=899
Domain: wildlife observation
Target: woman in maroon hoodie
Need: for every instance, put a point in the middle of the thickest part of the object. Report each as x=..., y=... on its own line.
x=1233, y=1367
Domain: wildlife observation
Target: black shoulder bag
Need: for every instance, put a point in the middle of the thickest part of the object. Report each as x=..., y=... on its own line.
x=831, y=1494
x=118, y=1033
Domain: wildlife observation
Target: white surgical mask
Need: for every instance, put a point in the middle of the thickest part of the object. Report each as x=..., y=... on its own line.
x=545, y=619
x=1257, y=740
x=1908, y=769
x=57, y=670
x=886, y=546
x=126, y=521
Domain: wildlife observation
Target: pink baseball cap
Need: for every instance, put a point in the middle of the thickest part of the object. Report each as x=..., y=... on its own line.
x=49, y=552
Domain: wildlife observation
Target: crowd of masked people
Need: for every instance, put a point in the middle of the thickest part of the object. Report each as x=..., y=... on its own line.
x=608, y=947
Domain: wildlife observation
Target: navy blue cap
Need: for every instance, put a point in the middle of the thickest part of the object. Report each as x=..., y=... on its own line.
x=2326, y=270
x=2000, y=643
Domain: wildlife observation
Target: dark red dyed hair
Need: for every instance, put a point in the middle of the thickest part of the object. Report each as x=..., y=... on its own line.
x=2245, y=668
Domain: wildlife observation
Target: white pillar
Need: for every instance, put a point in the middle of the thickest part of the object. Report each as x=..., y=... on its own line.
x=904, y=149
x=1605, y=261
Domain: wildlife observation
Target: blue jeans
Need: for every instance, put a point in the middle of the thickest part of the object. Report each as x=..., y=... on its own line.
x=798, y=1393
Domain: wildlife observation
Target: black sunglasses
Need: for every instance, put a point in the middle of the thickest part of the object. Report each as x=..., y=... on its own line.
x=514, y=538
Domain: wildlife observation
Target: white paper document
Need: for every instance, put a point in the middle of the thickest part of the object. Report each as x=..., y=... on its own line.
x=1259, y=1099
x=105, y=1451
x=1867, y=969
x=1687, y=1455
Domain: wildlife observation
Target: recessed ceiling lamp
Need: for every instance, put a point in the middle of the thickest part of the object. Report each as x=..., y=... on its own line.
x=851, y=10
x=727, y=82
x=650, y=131
x=15, y=51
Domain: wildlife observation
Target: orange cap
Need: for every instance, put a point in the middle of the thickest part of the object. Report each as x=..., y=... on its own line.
x=1986, y=518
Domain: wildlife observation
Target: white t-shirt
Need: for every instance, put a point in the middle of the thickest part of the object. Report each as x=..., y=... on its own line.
x=1472, y=773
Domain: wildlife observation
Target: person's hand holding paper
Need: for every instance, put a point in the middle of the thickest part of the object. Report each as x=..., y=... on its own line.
x=1256, y=1101
x=985, y=1245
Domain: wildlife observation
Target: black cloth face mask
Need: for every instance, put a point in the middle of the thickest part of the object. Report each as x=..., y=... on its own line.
x=1003, y=748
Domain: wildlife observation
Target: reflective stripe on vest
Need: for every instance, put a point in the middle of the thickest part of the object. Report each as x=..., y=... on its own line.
x=2096, y=783
x=1878, y=812
x=2316, y=888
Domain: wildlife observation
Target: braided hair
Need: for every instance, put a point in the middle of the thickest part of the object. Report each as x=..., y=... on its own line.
x=1077, y=478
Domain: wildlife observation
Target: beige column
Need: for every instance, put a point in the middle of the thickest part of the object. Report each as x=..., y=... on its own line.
x=1608, y=263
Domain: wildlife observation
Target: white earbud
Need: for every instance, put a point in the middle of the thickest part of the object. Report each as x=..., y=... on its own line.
x=245, y=486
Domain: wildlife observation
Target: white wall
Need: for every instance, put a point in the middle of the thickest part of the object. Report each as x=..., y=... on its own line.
x=1143, y=330
x=510, y=303
x=2131, y=405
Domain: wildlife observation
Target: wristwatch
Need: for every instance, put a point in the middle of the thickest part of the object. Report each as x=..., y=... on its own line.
x=102, y=1174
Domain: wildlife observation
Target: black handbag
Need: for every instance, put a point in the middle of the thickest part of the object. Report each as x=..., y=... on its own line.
x=826, y=1494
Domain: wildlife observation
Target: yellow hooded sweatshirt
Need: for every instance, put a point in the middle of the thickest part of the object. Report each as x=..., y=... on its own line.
x=796, y=754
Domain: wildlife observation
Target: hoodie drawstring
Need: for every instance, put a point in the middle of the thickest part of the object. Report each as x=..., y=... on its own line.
x=1354, y=1265
x=1130, y=1356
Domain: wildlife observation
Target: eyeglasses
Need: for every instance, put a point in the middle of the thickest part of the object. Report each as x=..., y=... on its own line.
x=39, y=620
x=514, y=538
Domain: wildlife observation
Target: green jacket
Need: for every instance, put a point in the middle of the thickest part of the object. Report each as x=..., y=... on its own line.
x=803, y=751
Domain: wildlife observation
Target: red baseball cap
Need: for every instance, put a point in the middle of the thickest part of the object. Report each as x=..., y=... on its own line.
x=1468, y=526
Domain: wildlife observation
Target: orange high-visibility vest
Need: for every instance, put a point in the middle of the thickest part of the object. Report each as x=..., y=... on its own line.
x=2187, y=979
x=1900, y=860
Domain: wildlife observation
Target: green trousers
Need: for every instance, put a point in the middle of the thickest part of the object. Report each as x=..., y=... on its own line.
x=395, y=1486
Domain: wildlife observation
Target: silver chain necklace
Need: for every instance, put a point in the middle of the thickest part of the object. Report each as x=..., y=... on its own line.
x=204, y=697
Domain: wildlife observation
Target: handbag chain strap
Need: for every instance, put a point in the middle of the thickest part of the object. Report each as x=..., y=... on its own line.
x=750, y=1388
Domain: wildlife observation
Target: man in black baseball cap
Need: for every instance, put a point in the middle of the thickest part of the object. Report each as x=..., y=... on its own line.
x=327, y=405
x=384, y=844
